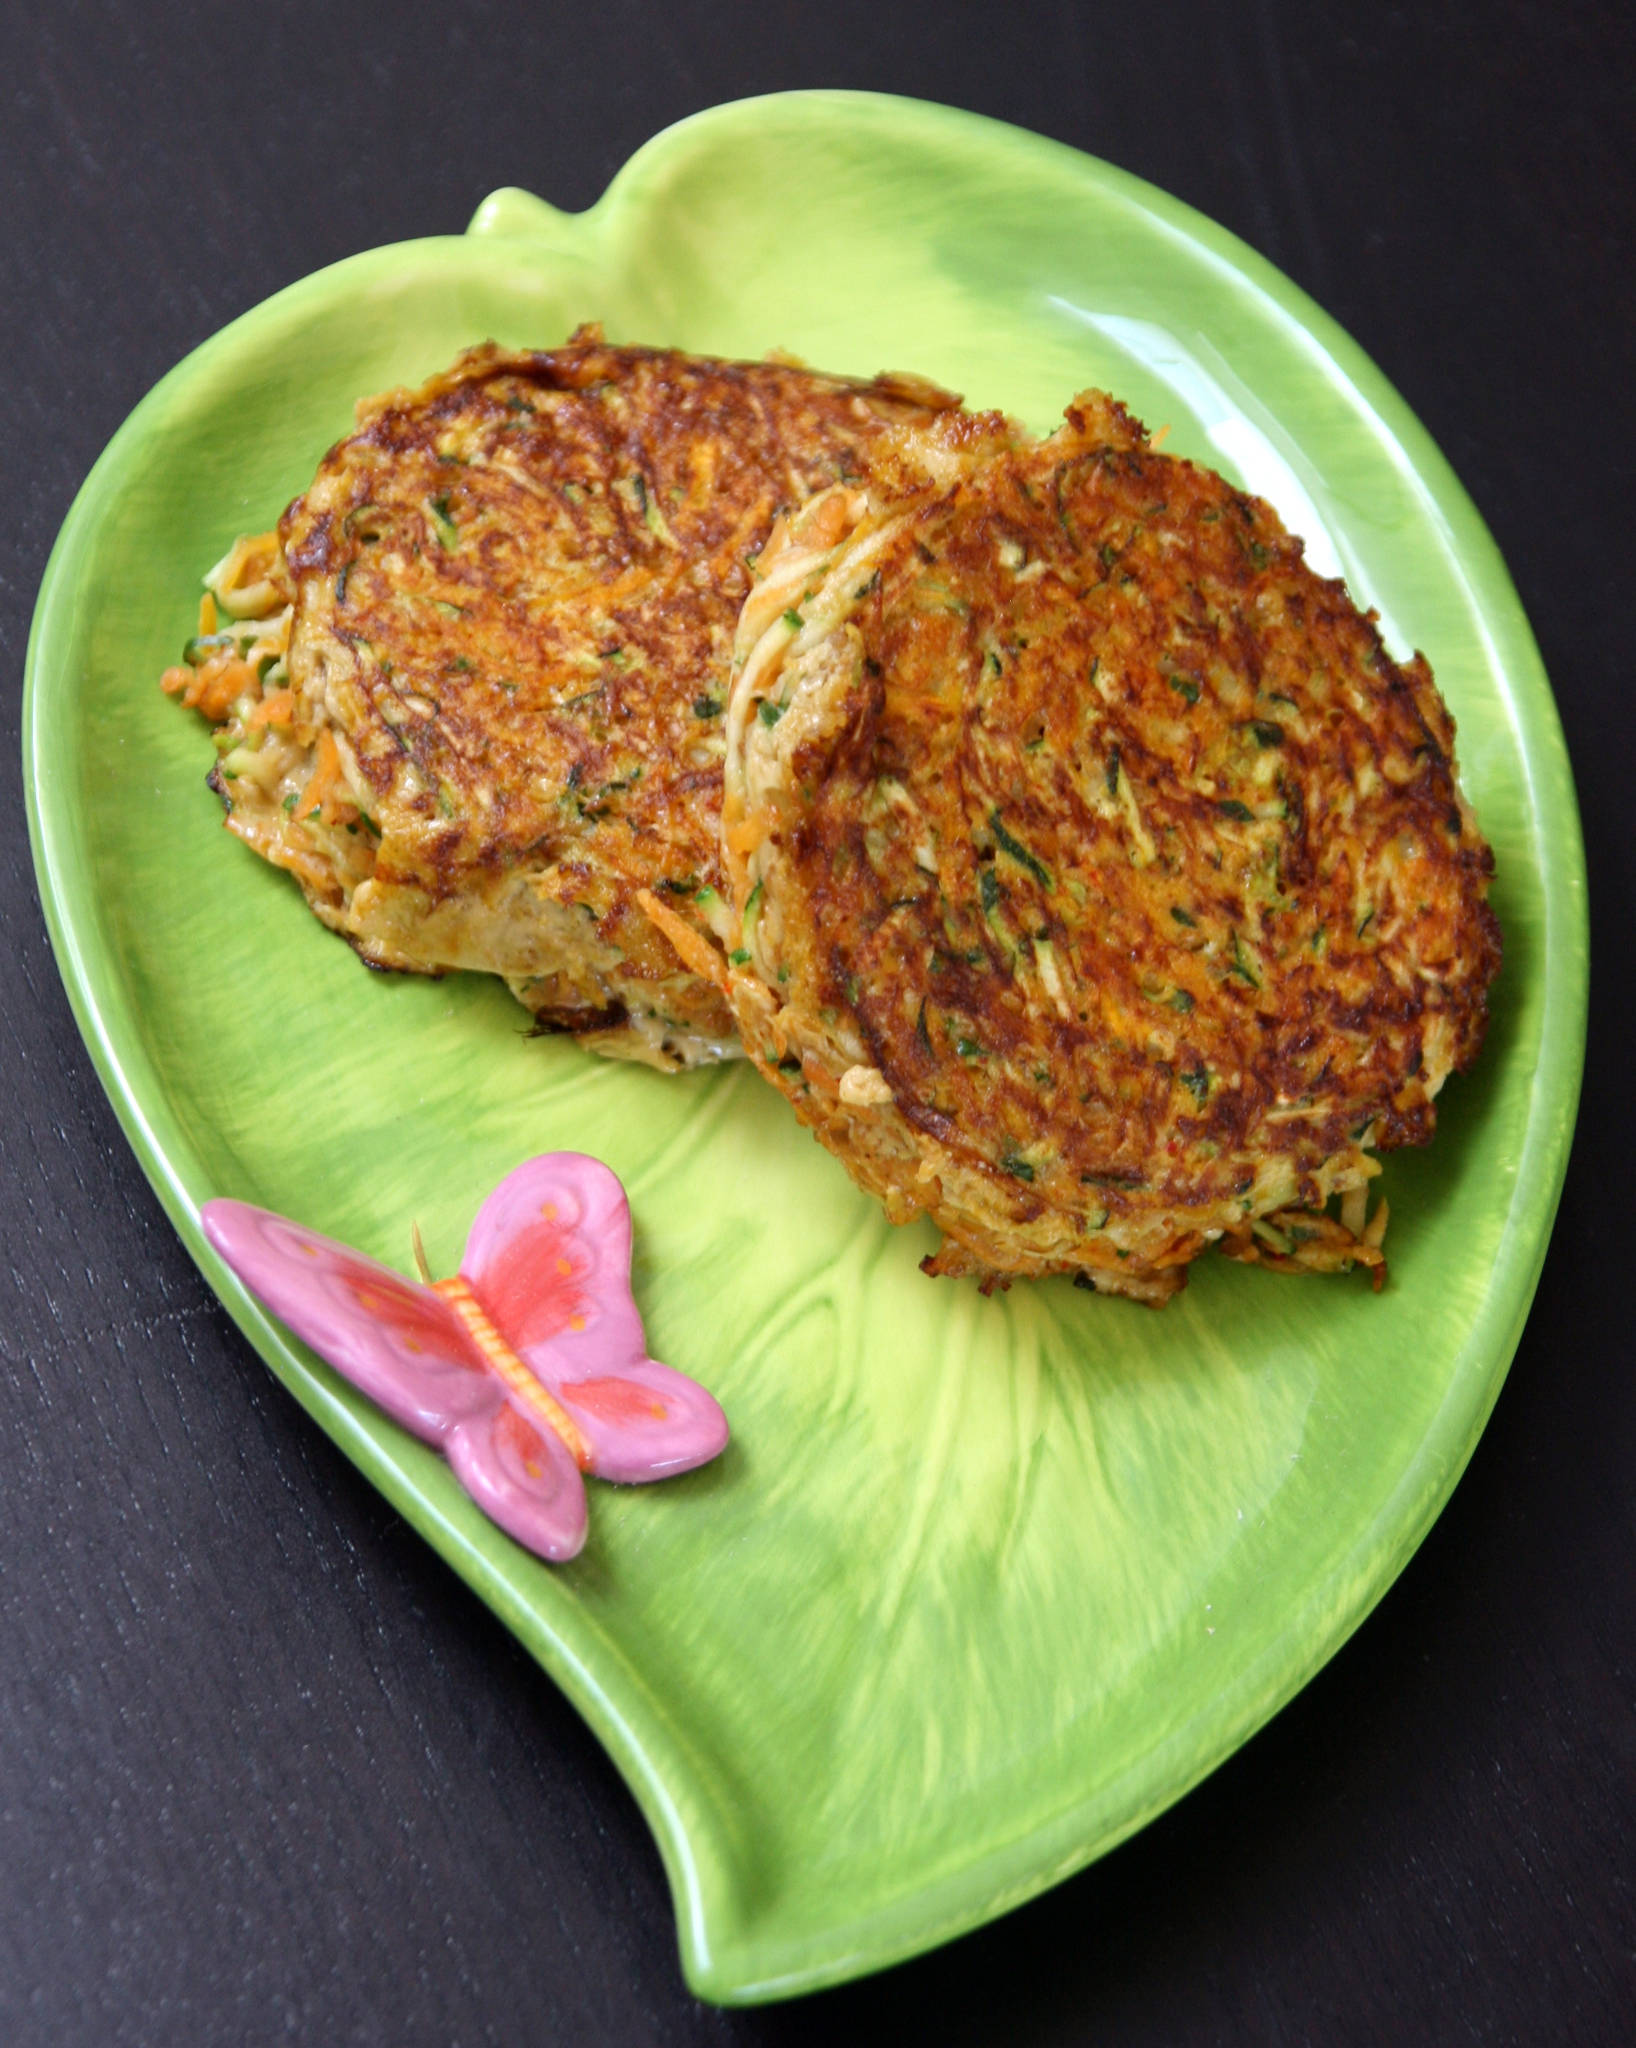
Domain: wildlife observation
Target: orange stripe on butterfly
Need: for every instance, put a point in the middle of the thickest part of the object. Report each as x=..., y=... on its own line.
x=538, y=1400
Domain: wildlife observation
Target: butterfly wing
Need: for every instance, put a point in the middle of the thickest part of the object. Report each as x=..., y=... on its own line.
x=549, y=1256
x=397, y=1342
x=403, y=1346
x=522, y=1477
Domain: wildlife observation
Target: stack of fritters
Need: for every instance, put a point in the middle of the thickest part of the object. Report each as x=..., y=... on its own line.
x=1105, y=887
x=515, y=591
x=1088, y=875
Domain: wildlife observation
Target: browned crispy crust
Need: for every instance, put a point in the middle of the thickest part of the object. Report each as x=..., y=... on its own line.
x=515, y=594
x=1108, y=889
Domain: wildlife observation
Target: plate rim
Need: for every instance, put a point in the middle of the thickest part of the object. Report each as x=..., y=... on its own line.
x=732, y=1966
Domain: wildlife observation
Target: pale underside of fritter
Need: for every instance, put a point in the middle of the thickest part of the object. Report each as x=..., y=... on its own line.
x=499, y=721
x=1103, y=888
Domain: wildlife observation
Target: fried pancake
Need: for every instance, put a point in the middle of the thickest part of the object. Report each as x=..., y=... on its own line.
x=1105, y=888
x=514, y=597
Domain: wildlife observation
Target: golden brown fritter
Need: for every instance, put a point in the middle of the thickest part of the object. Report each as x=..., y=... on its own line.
x=1106, y=889
x=515, y=591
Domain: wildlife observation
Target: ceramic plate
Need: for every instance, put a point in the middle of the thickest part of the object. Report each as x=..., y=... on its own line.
x=980, y=1586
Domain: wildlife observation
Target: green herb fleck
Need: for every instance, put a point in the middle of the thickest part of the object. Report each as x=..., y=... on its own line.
x=1197, y=1083
x=448, y=534
x=1184, y=686
x=794, y=621
x=1183, y=917
x=1113, y=771
x=1230, y=807
x=1014, y=1164
x=1020, y=853
x=1180, y=1000
x=739, y=956
x=1243, y=966
x=768, y=712
x=707, y=707
x=1266, y=733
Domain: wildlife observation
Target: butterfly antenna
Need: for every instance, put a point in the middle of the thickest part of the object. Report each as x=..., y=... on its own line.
x=421, y=1266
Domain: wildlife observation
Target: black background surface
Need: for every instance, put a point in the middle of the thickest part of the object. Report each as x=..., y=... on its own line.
x=267, y=1771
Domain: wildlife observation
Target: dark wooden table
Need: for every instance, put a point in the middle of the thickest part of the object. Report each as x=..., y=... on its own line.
x=267, y=1771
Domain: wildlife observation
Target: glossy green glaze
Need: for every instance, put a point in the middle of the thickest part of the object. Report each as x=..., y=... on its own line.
x=980, y=1585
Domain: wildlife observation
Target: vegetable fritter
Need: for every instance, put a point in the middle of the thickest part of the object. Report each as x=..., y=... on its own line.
x=1104, y=887
x=514, y=597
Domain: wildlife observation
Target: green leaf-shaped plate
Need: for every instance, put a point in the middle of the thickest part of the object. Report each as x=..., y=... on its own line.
x=980, y=1586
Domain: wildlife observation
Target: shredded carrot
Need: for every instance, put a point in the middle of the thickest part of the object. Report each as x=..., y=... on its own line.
x=1181, y=1252
x=175, y=680
x=632, y=579
x=702, y=462
x=824, y=519
x=916, y=704
x=259, y=557
x=207, y=615
x=320, y=792
x=278, y=709
x=216, y=684
x=732, y=549
x=692, y=948
x=250, y=561
x=747, y=833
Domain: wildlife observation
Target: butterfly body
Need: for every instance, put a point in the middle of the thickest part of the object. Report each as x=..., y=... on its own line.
x=526, y=1369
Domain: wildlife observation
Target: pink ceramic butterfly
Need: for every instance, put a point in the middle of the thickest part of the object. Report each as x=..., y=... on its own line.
x=526, y=1369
